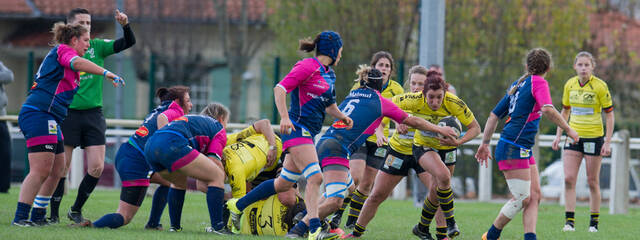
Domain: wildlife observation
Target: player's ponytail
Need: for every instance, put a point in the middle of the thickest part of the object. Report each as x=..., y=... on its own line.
x=513, y=88
x=63, y=33
x=369, y=77
x=307, y=44
x=537, y=62
x=162, y=94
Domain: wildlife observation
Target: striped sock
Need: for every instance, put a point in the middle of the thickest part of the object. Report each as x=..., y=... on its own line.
x=428, y=211
x=441, y=232
x=358, y=230
x=570, y=218
x=445, y=197
x=357, y=201
x=595, y=218
x=39, y=210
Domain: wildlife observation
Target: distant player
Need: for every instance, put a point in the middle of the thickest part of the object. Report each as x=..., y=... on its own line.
x=526, y=100
x=585, y=97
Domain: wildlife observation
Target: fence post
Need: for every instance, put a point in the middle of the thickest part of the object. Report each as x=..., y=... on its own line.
x=619, y=177
x=484, y=181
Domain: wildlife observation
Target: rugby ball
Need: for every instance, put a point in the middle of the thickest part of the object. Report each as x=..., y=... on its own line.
x=453, y=122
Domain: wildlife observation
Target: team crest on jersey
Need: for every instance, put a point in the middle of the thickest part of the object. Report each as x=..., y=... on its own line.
x=339, y=124
x=34, y=85
x=183, y=118
x=142, y=131
x=53, y=127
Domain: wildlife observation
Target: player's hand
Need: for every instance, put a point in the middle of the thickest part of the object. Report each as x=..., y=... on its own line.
x=555, y=143
x=286, y=126
x=447, y=132
x=606, y=149
x=271, y=156
x=121, y=18
x=573, y=135
x=348, y=121
x=381, y=140
x=454, y=142
x=402, y=128
x=115, y=79
x=483, y=154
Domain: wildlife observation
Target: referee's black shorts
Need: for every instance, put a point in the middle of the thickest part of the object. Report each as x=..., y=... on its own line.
x=84, y=128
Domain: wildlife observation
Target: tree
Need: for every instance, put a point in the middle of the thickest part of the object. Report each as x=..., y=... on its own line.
x=365, y=27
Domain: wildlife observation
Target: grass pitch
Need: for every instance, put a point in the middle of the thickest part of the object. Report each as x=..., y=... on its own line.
x=393, y=221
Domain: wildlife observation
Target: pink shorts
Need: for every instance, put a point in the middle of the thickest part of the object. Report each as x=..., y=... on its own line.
x=511, y=164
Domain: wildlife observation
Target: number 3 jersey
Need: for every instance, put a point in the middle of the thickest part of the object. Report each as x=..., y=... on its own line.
x=523, y=110
x=586, y=104
x=366, y=107
x=416, y=103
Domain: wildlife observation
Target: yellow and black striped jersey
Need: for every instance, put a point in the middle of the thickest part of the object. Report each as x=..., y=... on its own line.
x=245, y=157
x=264, y=217
x=416, y=104
x=586, y=104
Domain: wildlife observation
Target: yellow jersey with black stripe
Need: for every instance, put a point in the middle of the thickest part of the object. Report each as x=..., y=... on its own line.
x=264, y=217
x=403, y=143
x=393, y=88
x=451, y=106
x=586, y=103
x=245, y=157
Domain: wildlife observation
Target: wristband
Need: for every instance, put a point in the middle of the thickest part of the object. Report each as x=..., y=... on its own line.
x=104, y=74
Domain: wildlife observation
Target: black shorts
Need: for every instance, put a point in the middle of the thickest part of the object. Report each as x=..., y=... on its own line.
x=84, y=128
x=133, y=195
x=372, y=154
x=399, y=164
x=587, y=146
x=266, y=175
x=447, y=156
x=55, y=148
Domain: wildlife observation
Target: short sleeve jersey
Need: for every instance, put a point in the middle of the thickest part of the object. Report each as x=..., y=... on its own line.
x=366, y=107
x=311, y=85
x=90, y=91
x=170, y=109
x=586, y=103
x=523, y=110
x=391, y=89
x=264, y=217
x=246, y=156
x=451, y=106
x=56, y=82
x=204, y=133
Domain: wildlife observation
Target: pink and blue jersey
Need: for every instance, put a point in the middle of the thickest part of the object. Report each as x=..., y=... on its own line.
x=312, y=88
x=56, y=83
x=523, y=111
x=169, y=109
x=366, y=107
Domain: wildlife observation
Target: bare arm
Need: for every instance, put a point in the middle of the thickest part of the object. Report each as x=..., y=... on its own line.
x=424, y=125
x=473, y=129
x=280, y=96
x=565, y=115
x=335, y=112
x=84, y=65
x=484, y=153
x=610, y=118
x=264, y=127
x=550, y=112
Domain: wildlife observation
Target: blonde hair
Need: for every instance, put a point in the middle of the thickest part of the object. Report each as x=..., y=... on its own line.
x=587, y=55
x=417, y=69
x=363, y=74
x=215, y=110
x=63, y=33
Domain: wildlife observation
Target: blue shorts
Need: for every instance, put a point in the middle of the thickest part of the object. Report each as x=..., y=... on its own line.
x=510, y=156
x=331, y=152
x=133, y=169
x=298, y=136
x=38, y=127
x=168, y=150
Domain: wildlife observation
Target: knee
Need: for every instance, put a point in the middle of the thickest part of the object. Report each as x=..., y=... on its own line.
x=376, y=198
x=569, y=182
x=96, y=170
x=594, y=183
x=335, y=203
x=443, y=180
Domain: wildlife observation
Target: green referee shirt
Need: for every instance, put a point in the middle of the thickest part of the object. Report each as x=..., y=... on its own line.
x=89, y=93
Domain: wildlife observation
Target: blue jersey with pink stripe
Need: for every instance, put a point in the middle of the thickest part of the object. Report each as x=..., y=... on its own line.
x=366, y=107
x=170, y=109
x=56, y=82
x=313, y=90
x=205, y=134
x=523, y=110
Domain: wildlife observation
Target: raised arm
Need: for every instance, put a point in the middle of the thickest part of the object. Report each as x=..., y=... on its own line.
x=129, y=39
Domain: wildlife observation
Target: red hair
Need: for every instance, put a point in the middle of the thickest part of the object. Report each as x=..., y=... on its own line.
x=434, y=82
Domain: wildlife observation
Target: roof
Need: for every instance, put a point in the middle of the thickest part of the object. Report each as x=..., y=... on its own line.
x=168, y=10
